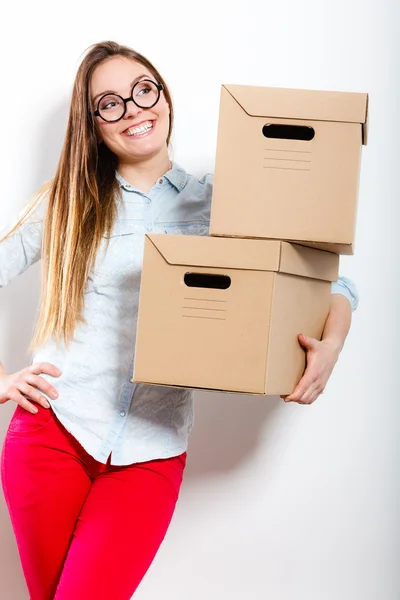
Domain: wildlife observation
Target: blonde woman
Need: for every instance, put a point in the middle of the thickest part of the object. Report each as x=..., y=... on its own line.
x=92, y=464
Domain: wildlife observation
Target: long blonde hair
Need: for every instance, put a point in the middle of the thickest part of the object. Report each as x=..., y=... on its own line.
x=82, y=204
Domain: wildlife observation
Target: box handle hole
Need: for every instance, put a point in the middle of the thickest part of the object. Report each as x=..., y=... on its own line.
x=205, y=280
x=288, y=132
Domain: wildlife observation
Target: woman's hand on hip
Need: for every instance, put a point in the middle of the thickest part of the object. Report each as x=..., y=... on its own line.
x=27, y=383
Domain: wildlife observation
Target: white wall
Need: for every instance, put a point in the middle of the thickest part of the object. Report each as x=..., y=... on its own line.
x=283, y=502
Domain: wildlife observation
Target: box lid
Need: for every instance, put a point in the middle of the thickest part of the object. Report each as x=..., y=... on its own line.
x=308, y=105
x=248, y=254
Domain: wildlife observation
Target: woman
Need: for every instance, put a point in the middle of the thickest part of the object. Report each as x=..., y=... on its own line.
x=92, y=464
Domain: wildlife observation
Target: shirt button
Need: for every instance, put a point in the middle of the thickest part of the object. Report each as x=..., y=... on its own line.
x=160, y=181
x=148, y=201
x=122, y=413
x=149, y=228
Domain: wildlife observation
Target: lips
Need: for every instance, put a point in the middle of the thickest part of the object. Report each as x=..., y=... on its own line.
x=139, y=128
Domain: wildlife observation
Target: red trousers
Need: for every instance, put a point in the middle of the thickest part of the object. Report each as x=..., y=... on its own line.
x=84, y=530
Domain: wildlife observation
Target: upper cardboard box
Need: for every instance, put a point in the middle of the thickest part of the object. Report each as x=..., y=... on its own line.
x=304, y=105
x=288, y=165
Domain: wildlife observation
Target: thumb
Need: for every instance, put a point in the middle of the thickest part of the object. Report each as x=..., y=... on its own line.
x=307, y=342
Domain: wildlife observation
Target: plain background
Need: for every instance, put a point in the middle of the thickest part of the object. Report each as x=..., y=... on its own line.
x=280, y=501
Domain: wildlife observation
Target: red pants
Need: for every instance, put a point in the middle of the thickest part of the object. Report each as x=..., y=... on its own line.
x=84, y=530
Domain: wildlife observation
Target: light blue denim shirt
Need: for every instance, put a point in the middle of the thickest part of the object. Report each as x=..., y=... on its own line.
x=97, y=403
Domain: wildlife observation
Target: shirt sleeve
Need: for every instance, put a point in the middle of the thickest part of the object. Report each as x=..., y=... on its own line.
x=207, y=183
x=346, y=287
x=23, y=247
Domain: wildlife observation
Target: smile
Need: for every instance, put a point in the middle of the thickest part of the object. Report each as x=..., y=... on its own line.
x=141, y=129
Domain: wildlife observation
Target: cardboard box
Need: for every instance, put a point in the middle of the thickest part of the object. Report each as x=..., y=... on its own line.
x=287, y=165
x=224, y=314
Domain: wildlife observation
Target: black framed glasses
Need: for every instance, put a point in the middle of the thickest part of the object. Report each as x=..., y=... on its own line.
x=145, y=94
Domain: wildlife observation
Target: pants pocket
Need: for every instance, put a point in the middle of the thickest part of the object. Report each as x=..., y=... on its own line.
x=25, y=422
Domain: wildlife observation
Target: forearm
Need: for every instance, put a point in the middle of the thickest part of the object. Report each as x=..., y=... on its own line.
x=338, y=323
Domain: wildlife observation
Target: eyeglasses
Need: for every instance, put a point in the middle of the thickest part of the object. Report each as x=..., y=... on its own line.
x=145, y=94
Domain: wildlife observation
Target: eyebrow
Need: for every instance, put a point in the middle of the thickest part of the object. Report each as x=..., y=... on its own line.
x=138, y=78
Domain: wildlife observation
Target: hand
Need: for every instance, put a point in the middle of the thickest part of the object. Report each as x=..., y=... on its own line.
x=321, y=357
x=16, y=386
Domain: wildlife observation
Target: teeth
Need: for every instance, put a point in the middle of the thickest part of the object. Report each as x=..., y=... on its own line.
x=139, y=130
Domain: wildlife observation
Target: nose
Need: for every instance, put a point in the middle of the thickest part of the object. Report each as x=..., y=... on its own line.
x=132, y=110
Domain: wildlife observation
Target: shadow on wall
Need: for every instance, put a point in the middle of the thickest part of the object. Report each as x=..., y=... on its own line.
x=227, y=431
x=18, y=306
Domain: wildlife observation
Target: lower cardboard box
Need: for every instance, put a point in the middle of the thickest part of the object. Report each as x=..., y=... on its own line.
x=223, y=313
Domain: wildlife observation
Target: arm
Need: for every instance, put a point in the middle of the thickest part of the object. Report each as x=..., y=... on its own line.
x=338, y=323
x=18, y=251
x=321, y=356
x=21, y=249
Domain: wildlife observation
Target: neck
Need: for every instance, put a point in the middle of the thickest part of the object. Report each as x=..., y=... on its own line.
x=143, y=174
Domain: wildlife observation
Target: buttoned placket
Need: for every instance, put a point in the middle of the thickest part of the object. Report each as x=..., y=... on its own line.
x=149, y=203
x=110, y=444
x=148, y=214
x=124, y=404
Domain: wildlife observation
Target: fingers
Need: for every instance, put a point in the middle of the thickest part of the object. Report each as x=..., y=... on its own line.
x=308, y=379
x=33, y=394
x=310, y=376
x=313, y=382
x=33, y=378
x=308, y=342
x=310, y=394
x=46, y=368
x=41, y=384
x=315, y=396
x=27, y=383
x=23, y=402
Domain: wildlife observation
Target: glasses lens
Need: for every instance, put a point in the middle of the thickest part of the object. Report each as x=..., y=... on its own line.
x=145, y=94
x=111, y=108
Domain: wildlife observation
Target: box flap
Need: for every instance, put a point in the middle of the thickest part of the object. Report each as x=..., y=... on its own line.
x=309, y=105
x=309, y=262
x=213, y=252
x=249, y=254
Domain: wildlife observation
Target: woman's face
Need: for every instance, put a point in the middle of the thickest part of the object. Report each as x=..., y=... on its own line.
x=142, y=132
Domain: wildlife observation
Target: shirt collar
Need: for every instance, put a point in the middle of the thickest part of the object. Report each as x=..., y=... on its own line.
x=177, y=177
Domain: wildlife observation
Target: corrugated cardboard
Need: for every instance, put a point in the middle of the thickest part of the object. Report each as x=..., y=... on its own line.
x=301, y=190
x=239, y=339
